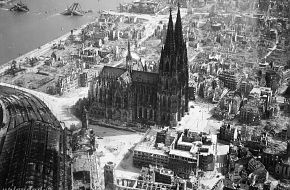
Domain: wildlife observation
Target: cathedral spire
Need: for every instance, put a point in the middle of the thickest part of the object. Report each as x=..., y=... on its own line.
x=169, y=47
x=161, y=60
x=178, y=30
x=129, y=56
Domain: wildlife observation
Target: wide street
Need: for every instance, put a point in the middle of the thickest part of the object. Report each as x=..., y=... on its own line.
x=199, y=118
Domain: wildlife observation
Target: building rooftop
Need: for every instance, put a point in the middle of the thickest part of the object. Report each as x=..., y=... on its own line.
x=250, y=107
x=20, y=107
x=82, y=163
x=151, y=150
x=182, y=153
x=276, y=148
x=211, y=147
x=137, y=76
x=286, y=92
x=148, y=145
x=140, y=184
x=183, y=143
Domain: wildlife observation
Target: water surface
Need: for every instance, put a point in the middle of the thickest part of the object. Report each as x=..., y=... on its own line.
x=23, y=32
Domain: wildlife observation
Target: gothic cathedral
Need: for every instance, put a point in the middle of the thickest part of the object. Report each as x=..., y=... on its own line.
x=128, y=95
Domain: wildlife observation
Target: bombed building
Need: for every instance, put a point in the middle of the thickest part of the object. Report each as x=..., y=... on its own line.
x=33, y=144
x=182, y=152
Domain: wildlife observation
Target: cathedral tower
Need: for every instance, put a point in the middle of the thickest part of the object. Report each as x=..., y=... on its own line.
x=173, y=75
x=129, y=58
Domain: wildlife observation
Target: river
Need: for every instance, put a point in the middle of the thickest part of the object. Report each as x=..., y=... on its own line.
x=23, y=32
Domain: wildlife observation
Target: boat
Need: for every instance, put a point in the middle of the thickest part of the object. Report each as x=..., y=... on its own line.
x=74, y=10
x=20, y=7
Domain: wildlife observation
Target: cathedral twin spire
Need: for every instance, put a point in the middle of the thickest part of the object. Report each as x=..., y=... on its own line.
x=174, y=36
x=178, y=30
x=129, y=58
x=174, y=45
x=169, y=46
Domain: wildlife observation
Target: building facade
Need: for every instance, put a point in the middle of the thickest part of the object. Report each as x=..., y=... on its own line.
x=138, y=96
x=184, y=154
x=86, y=159
x=229, y=79
x=228, y=132
x=153, y=178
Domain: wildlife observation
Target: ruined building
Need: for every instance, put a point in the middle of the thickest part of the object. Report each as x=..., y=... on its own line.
x=277, y=160
x=229, y=79
x=183, y=152
x=33, y=145
x=86, y=160
x=109, y=173
x=127, y=95
x=228, y=133
x=153, y=178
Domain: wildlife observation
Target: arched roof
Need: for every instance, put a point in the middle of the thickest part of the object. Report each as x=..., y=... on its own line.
x=20, y=107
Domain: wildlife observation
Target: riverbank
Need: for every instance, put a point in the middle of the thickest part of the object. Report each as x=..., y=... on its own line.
x=40, y=51
x=5, y=2
x=56, y=68
x=59, y=66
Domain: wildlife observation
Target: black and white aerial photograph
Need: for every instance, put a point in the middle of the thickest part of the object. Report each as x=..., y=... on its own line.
x=144, y=94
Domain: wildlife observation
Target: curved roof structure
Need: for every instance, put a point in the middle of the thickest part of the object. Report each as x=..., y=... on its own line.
x=32, y=148
x=20, y=107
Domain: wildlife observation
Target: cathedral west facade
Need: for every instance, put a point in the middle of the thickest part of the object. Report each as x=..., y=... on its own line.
x=159, y=98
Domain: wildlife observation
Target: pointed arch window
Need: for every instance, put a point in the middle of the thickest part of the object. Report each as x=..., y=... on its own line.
x=148, y=98
x=164, y=101
x=140, y=94
x=166, y=65
x=110, y=98
x=145, y=113
x=100, y=96
x=164, y=118
x=152, y=99
x=151, y=114
x=118, y=101
x=125, y=101
x=140, y=112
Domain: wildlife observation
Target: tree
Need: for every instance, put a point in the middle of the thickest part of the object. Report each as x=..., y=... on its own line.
x=79, y=107
x=274, y=86
x=12, y=69
x=73, y=127
x=217, y=113
x=51, y=90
